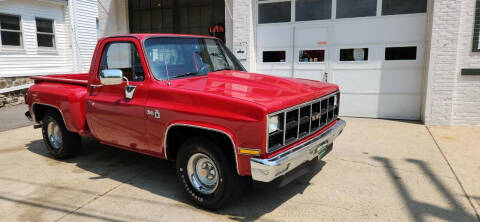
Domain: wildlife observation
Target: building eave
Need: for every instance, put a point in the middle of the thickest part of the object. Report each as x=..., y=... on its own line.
x=61, y=2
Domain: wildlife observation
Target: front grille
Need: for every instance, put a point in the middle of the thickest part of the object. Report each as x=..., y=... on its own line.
x=300, y=121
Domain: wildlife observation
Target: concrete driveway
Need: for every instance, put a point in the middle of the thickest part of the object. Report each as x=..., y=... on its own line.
x=380, y=170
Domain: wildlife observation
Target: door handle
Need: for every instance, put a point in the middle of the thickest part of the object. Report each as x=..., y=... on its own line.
x=95, y=85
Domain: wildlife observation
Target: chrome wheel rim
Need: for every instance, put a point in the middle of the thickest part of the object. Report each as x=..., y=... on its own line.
x=203, y=173
x=54, y=135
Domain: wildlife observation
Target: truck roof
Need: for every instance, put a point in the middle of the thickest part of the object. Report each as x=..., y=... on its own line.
x=146, y=35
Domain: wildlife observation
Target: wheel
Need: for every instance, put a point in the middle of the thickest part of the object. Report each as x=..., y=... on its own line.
x=207, y=176
x=60, y=142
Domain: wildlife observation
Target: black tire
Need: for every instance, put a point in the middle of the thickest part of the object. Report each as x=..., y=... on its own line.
x=230, y=184
x=70, y=142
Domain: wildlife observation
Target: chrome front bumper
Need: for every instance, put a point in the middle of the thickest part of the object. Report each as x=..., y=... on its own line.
x=266, y=170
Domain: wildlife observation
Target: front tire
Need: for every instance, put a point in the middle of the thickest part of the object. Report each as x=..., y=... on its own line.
x=207, y=176
x=60, y=142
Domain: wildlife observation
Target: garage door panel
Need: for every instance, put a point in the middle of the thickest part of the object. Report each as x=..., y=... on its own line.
x=278, y=35
x=406, y=81
x=401, y=81
x=310, y=37
x=356, y=81
x=276, y=72
x=310, y=74
x=381, y=106
x=393, y=29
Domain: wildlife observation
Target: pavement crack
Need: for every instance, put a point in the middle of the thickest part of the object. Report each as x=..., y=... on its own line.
x=454, y=174
x=97, y=197
x=359, y=162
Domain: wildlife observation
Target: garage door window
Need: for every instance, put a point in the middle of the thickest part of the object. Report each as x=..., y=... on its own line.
x=274, y=56
x=274, y=12
x=307, y=10
x=311, y=56
x=401, y=53
x=356, y=8
x=396, y=7
x=357, y=54
x=11, y=35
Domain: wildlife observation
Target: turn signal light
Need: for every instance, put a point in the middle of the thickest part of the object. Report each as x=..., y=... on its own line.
x=253, y=152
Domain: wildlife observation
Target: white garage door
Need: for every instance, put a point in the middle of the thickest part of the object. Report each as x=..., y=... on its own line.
x=373, y=49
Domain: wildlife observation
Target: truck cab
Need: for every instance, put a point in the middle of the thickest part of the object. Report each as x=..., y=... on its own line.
x=187, y=99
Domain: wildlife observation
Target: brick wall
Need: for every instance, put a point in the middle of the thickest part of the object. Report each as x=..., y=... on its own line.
x=244, y=29
x=452, y=99
x=466, y=97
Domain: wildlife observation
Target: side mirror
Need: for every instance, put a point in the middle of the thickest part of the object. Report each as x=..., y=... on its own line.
x=110, y=77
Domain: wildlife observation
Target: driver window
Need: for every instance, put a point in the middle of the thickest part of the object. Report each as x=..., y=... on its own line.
x=123, y=56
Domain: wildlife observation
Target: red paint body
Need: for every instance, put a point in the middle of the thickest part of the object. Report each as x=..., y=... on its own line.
x=233, y=102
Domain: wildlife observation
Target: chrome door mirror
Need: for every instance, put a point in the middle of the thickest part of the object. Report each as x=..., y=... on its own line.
x=110, y=77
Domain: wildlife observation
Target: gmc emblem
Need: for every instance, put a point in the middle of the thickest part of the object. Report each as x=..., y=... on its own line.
x=316, y=117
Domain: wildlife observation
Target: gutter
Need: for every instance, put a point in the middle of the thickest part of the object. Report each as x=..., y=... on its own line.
x=73, y=38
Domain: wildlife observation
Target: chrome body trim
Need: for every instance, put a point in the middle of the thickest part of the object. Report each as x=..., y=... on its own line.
x=34, y=116
x=199, y=127
x=266, y=170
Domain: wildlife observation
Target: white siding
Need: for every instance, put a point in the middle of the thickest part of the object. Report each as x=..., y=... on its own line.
x=30, y=60
x=85, y=13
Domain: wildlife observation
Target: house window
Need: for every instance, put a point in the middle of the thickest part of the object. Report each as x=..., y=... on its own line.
x=357, y=54
x=274, y=12
x=307, y=10
x=45, y=34
x=356, y=8
x=274, y=56
x=396, y=7
x=311, y=56
x=401, y=53
x=11, y=35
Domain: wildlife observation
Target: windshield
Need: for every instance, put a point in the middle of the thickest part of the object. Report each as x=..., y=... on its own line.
x=174, y=57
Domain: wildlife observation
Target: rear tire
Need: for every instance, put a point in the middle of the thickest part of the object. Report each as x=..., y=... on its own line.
x=209, y=179
x=59, y=142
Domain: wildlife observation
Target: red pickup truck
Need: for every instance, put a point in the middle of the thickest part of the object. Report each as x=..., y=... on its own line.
x=187, y=99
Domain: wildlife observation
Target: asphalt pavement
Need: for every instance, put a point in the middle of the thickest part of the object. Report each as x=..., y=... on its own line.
x=12, y=117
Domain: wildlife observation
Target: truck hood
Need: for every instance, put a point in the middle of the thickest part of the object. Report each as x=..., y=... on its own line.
x=274, y=93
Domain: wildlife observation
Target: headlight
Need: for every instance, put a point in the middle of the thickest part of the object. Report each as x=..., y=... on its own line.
x=273, y=124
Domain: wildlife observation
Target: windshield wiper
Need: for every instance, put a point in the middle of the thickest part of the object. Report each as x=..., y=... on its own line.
x=222, y=69
x=186, y=74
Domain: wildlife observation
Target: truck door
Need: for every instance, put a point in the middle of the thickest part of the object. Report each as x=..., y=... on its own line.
x=112, y=118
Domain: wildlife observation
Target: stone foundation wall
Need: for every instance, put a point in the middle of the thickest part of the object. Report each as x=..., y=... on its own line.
x=15, y=97
x=14, y=81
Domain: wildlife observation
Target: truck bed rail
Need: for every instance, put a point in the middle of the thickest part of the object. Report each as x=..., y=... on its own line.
x=77, y=79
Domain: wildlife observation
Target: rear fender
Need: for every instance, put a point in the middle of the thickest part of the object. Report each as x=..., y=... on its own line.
x=68, y=100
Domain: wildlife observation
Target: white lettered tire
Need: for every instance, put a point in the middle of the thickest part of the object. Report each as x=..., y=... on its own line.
x=207, y=176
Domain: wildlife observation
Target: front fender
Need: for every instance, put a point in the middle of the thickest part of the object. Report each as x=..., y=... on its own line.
x=205, y=126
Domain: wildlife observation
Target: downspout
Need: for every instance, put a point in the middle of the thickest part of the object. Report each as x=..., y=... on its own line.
x=73, y=38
